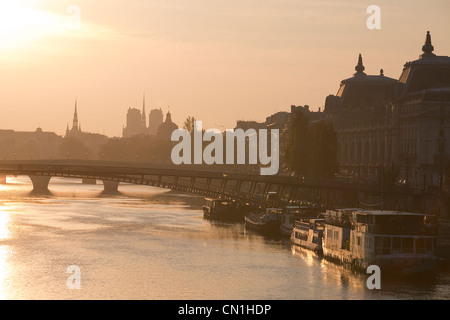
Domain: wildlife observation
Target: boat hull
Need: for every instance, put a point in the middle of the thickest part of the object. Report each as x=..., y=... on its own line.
x=269, y=228
x=404, y=266
x=224, y=216
x=307, y=245
x=285, y=232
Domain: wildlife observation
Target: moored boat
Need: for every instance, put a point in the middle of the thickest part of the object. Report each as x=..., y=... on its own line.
x=398, y=242
x=266, y=222
x=221, y=209
x=287, y=220
x=292, y=213
x=308, y=233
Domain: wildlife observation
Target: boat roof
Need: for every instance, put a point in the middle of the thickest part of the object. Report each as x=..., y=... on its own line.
x=274, y=209
x=217, y=199
x=388, y=213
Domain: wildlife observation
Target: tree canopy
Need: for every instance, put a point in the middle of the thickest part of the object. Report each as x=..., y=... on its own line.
x=312, y=148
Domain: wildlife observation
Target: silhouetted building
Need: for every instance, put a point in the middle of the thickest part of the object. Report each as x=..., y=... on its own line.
x=279, y=120
x=423, y=118
x=363, y=121
x=402, y=126
x=155, y=119
x=92, y=141
x=166, y=128
x=28, y=145
x=76, y=127
x=135, y=124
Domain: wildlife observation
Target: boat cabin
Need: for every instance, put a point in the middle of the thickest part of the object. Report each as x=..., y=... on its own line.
x=218, y=203
x=392, y=240
x=383, y=233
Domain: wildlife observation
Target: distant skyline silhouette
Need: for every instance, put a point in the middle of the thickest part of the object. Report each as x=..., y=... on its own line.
x=219, y=61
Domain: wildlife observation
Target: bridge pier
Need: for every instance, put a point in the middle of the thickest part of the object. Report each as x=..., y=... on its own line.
x=40, y=183
x=110, y=186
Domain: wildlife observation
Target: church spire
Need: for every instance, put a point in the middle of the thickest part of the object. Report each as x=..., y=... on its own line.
x=144, y=116
x=360, y=67
x=75, y=117
x=428, y=48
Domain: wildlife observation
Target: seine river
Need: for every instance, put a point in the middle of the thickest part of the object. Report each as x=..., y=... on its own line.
x=150, y=243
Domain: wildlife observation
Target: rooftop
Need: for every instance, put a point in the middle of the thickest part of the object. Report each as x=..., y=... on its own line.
x=388, y=213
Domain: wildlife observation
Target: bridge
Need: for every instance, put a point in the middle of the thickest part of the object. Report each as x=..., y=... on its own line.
x=232, y=185
x=239, y=186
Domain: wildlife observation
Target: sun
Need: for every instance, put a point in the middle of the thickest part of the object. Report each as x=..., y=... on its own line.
x=21, y=24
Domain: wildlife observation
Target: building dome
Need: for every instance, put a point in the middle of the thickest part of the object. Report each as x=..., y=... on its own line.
x=166, y=128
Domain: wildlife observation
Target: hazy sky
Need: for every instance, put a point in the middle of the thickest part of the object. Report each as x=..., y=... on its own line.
x=217, y=60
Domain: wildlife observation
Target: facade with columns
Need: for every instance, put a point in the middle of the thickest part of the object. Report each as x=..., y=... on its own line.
x=400, y=127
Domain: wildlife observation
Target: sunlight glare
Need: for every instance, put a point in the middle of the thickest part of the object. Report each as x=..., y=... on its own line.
x=5, y=220
x=20, y=23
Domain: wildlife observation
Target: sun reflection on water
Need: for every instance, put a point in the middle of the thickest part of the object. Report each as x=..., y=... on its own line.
x=5, y=251
x=5, y=220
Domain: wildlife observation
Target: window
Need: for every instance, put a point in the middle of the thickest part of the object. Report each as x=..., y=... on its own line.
x=420, y=245
x=368, y=243
x=329, y=233
x=378, y=245
x=408, y=245
x=387, y=245
x=397, y=244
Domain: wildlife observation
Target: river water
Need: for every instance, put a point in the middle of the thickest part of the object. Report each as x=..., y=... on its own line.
x=151, y=243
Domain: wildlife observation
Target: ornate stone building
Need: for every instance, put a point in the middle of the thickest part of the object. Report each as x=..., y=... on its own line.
x=136, y=122
x=155, y=119
x=166, y=128
x=402, y=126
x=93, y=141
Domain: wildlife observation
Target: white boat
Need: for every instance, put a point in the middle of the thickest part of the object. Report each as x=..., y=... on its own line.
x=308, y=234
x=292, y=213
x=397, y=242
x=287, y=220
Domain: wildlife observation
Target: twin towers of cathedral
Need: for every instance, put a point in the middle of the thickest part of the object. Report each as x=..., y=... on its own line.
x=136, y=123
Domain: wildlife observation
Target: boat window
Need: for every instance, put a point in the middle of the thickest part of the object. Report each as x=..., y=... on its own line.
x=420, y=245
x=329, y=233
x=397, y=243
x=386, y=245
x=368, y=243
x=362, y=218
x=428, y=245
x=336, y=234
x=378, y=245
x=408, y=245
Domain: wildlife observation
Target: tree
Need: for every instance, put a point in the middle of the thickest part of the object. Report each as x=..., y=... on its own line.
x=189, y=124
x=298, y=148
x=324, y=149
x=73, y=148
x=312, y=148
